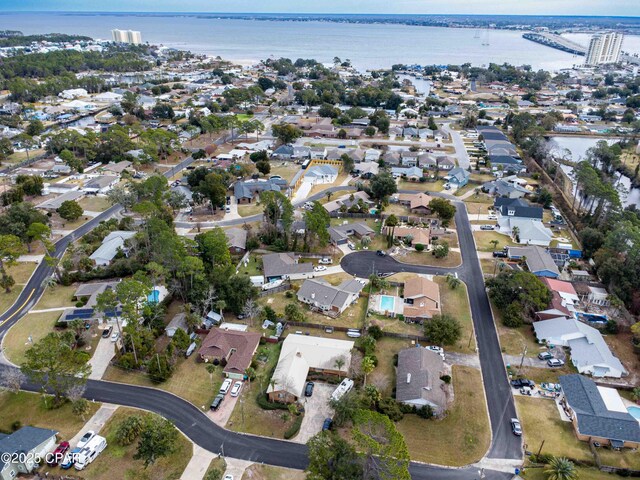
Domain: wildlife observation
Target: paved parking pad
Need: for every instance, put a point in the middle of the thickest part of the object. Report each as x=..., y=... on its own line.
x=316, y=409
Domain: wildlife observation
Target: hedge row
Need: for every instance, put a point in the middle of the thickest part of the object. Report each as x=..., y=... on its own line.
x=293, y=430
x=265, y=404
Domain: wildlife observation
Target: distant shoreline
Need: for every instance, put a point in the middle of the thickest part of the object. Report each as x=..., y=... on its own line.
x=573, y=24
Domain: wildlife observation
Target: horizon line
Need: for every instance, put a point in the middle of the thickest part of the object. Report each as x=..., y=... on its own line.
x=107, y=12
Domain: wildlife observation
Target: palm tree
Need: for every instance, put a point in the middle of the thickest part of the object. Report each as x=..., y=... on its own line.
x=561, y=468
x=494, y=243
x=329, y=195
x=339, y=363
x=635, y=394
x=367, y=368
x=515, y=232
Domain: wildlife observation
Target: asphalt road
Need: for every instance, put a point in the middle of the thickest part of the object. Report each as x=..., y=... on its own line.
x=193, y=423
x=498, y=392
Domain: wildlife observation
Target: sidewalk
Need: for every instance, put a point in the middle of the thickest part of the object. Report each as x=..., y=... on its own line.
x=96, y=422
x=198, y=465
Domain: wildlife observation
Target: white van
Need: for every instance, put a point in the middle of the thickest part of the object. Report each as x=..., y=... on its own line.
x=345, y=387
x=90, y=452
x=226, y=385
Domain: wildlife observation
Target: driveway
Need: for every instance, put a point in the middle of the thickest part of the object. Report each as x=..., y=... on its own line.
x=233, y=206
x=95, y=423
x=458, y=143
x=222, y=415
x=316, y=409
x=105, y=351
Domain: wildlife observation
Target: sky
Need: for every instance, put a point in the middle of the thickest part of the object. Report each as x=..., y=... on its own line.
x=504, y=7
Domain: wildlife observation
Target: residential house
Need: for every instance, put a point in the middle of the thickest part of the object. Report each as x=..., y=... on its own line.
x=178, y=322
x=246, y=191
x=445, y=163
x=565, y=298
x=417, y=203
x=537, y=259
x=101, y=184
x=421, y=299
x=391, y=158
x=522, y=221
x=283, y=152
x=372, y=155
x=502, y=188
x=598, y=413
x=418, y=380
x=301, y=354
x=237, y=238
x=278, y=266
x=348, y=200
x=589, y=352
x=118, y=167
x=458, y=177
x=111, y=244
x=412, y=174
x=340, y=234
x=426, y=160
x=325, y=297
x=367, y=169
x=55, y=203
x=409, y=158
x=321, y=174
x=232, y=349
x=598, y=296
x=506, y=163
x=20, y=450
x=417, y=235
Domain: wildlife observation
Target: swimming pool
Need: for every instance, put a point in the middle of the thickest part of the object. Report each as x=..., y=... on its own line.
x=153, y=297
x=387, y=303
x=635, y=412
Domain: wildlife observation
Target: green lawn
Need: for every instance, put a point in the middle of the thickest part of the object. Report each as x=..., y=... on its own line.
x=190, y=380
x=484, y=238
x=94, y=203
x=384, y=375
x=29, y=409
x=454, y=259
x=252, y=268
x=56, y=296
x=514, y=340
x=463, y=436
x=269, y=472
x=36, y=325
x=455, y=302
x=583, y=474
x=218, y=464
x=21, y=271
x=8, y=299
x=118, y=462
x=541, y=421
x=250, y=209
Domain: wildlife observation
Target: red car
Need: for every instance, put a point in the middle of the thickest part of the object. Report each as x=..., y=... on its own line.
x=57, y=455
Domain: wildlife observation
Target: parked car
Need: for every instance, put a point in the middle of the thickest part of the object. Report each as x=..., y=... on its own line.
x=217, y=402
x=115, y=336
x=499, y=254
x=70, y=458
x=226, y=385
x=438, y=350
x=486, y=227
x=327, y=424
x=85, y=438
x=381, y=253
x=545, y=356
x=447, y=186
x=227, y=209
x=516, y=428
x=555, y=362
x=492, y=217
x=522, y=382
x=228, y=476
x=308, y=390
x=319, y=268
x=325, y=261
x=106, y=333
x=235, y=391
x=57, y=456
x=351, y=245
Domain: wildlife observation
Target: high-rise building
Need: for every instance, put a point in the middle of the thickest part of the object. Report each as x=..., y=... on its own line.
x=604, y=48
x=126, y=36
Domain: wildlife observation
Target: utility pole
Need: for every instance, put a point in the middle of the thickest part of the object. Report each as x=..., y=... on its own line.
x=524, y=352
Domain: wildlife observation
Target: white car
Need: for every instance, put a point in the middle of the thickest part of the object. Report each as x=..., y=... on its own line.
x=235, y=391
x=319, y=268
x=85, y=438
x=115, y=336
x=438, y=350
x=325, y=261
x=226, y=385
x=492, y=217
x=228, y=476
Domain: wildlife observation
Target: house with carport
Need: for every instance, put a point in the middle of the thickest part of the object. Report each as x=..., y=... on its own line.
x=304, y=354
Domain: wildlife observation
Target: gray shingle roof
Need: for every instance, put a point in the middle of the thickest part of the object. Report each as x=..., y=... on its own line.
x=280, y=264
x=326, y=294
x=24, y=440
x=593, y=417
x=521, y=208
x=423, y=369
x=538, y=259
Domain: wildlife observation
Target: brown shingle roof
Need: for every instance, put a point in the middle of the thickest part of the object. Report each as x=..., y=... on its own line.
x=236, y=347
